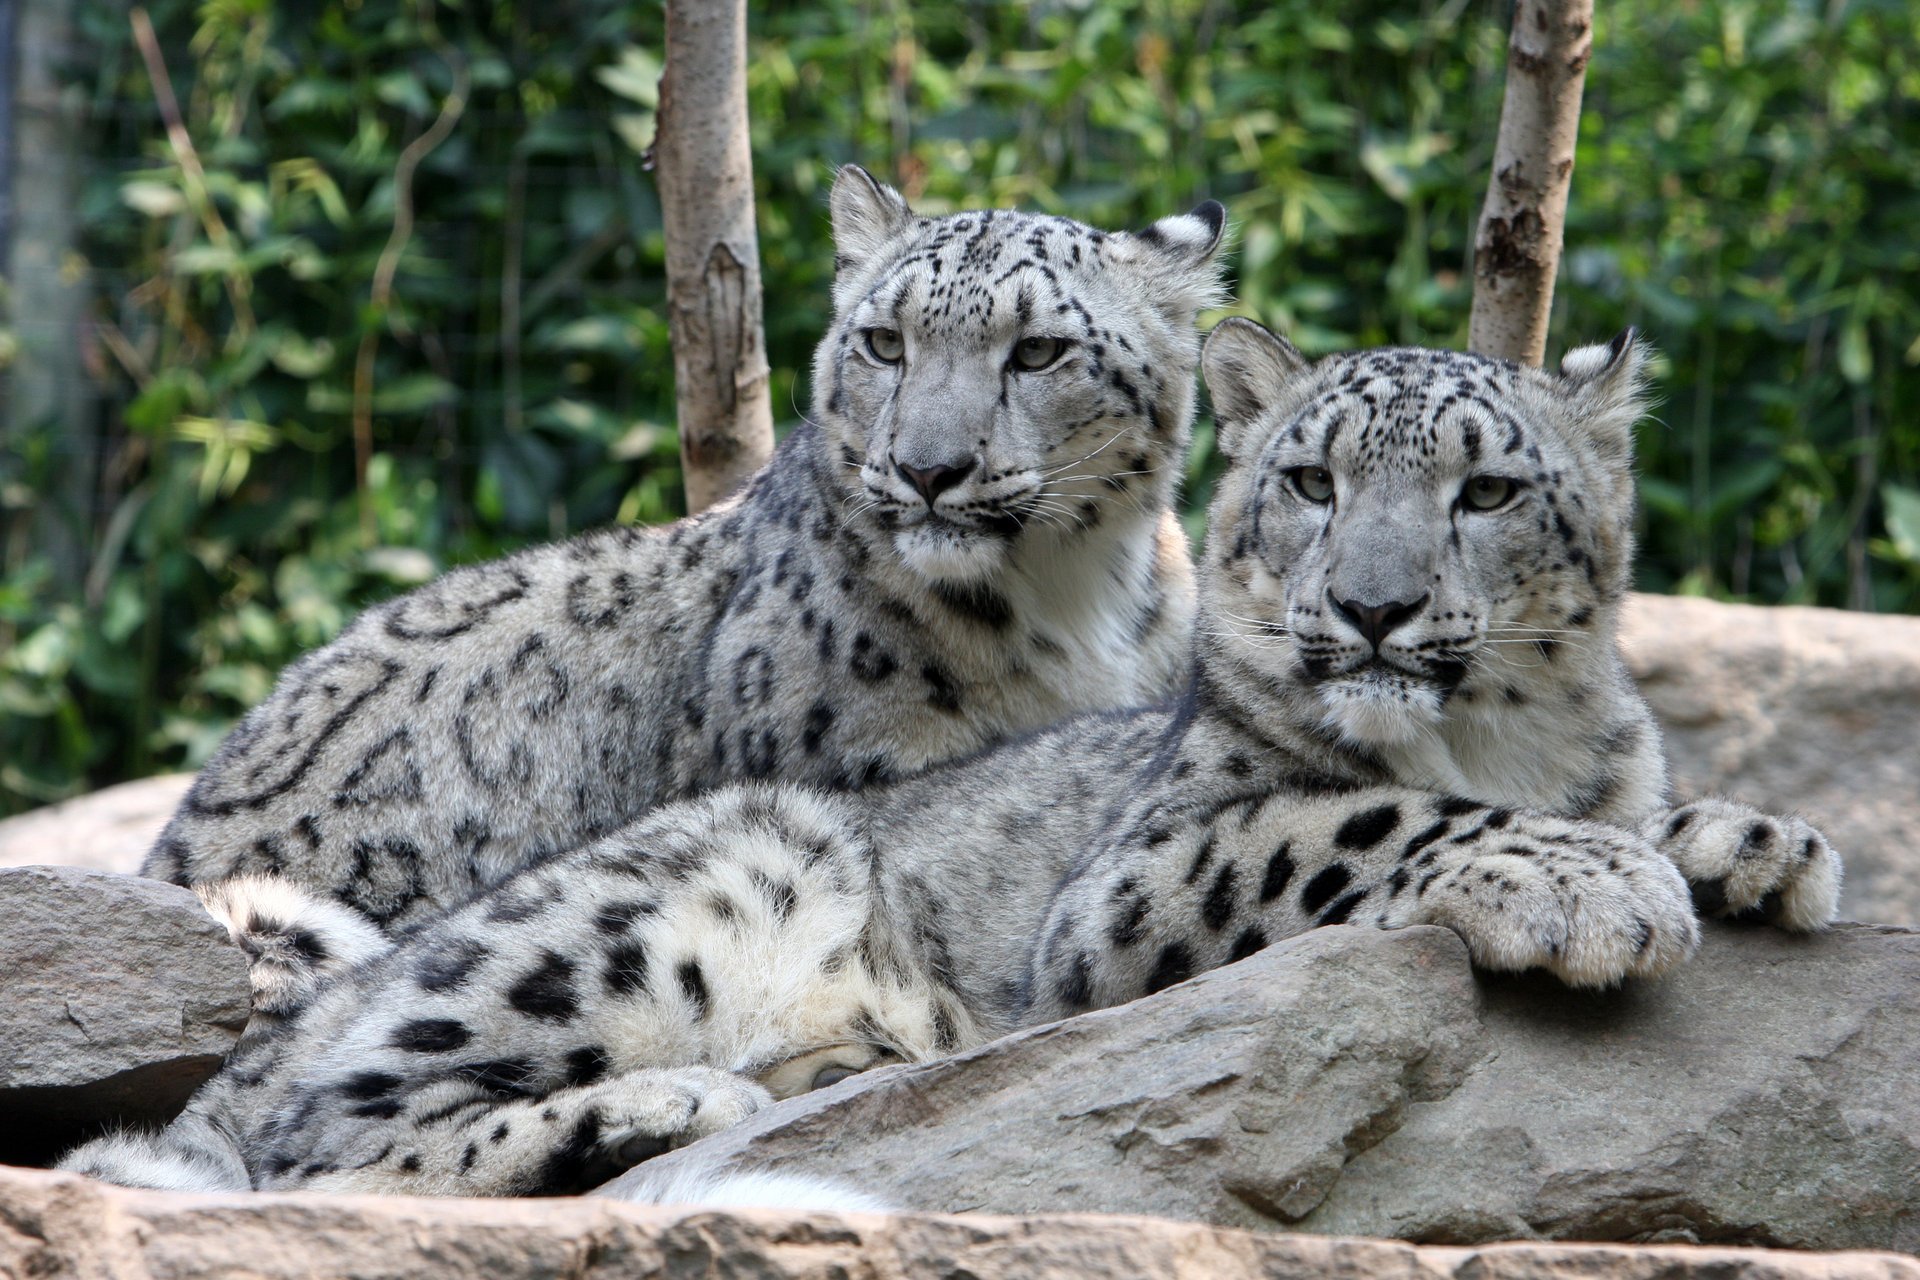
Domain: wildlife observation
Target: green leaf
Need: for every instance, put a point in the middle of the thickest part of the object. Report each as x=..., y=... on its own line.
x=1903, y=519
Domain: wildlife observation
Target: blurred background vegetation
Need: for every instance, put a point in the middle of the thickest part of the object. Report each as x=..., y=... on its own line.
x=192, y=515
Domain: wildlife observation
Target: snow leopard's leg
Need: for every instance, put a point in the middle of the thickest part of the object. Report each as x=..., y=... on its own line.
x=1743, y=862
x=1591, y=903
x=295, y=939
x=545, y=1032
x=457, y=1139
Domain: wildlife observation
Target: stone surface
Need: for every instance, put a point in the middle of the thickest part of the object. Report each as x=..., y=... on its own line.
x=56, y=1225
x=121, y=996
x=110, y=830
x=1816, y=710
x=1357, y=1082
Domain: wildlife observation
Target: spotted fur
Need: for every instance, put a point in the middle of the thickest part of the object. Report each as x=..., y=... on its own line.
x=832, y=625
x=1331, y=763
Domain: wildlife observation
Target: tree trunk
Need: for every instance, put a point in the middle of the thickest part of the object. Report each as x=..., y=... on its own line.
x=48, y=381
x=1523, y=223
x=713, y=257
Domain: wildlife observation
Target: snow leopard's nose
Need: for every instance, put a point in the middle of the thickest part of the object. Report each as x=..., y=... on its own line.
x=1376, y=621
x=936, y=480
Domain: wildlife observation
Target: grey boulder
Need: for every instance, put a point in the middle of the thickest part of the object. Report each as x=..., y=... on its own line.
x=1811, y=710
x=121, y=996
x=1350, y=1081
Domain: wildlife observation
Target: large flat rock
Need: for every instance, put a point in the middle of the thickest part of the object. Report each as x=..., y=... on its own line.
x=1815, y=710
x=1352, y=1081
x=121, y=996
x=57, y=1225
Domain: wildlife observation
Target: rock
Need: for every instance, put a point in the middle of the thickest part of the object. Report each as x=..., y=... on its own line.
x=1814, y=710
x=1353, y=1081
x=122, y=996
x=60, y=1225
x=110, y=830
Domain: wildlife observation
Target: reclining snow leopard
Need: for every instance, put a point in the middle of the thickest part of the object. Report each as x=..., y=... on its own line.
x=972, y=538
x=1408, y=707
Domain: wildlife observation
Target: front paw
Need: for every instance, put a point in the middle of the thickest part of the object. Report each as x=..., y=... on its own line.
x=1592, y=905
x=653, y=1110
x=1744, y=863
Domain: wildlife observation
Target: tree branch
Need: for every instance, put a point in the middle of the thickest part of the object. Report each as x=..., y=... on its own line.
x=705, y=171
x=1523, y=223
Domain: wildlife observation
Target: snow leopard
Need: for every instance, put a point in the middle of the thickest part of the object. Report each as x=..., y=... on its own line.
x=1408, y=707
x=971, y=537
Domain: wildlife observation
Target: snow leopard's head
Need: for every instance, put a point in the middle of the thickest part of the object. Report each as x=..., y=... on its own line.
x=997, y=377
x=1400, y=527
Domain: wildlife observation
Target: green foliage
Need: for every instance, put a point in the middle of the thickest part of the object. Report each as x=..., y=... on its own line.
x=1744, y=193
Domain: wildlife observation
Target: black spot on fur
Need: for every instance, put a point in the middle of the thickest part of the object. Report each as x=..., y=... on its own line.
x=1175, y=965
x=1321, y=889
x=546, y=990
x=1679, y=822
x=617, y=917
x=1425, y=838
x=369, y=1084
x=1342, y=908
x=1076, y=989
x=870, y=662
x=1279, y=873
x=587, y=1064
x=814, y=732
x=976, y=603
x=430, y=1035
x=1251, y=939
x=626, y=970
x=943, y=691
x=448, y=968
x=503, y=1077
x=1368, y=828
x=1218, y=908
x=693, y=985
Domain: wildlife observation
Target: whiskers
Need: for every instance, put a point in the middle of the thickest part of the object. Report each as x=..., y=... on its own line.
x=1054, y=471
x=1255, y=633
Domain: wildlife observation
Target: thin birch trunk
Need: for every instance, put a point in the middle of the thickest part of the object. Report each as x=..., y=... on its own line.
x=705, y=173
x=1523, y=223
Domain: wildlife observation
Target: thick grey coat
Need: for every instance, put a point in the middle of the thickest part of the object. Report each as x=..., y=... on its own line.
x=840, y=623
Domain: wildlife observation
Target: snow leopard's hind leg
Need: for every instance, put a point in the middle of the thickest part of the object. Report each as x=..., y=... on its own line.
x=295, y=940
x=461, y=1140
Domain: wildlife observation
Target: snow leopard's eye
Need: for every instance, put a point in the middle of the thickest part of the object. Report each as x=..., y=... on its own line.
x=886, y=345
x=1487, y=493
x=832, y=1075
x=1034, y=354
x=1315, y=484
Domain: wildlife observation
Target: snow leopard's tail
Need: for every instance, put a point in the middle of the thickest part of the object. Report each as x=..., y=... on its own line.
x=191, y=1154
x=715, y=1190
x=295, y=940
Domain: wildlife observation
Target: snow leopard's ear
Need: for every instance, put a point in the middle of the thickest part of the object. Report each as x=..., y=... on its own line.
x=1179, y=258
x=1605, y=386
x=866, y=214
x=1248, y=368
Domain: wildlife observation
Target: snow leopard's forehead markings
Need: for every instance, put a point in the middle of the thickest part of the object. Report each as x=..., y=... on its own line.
x=1404, y=531
x=993, y=377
